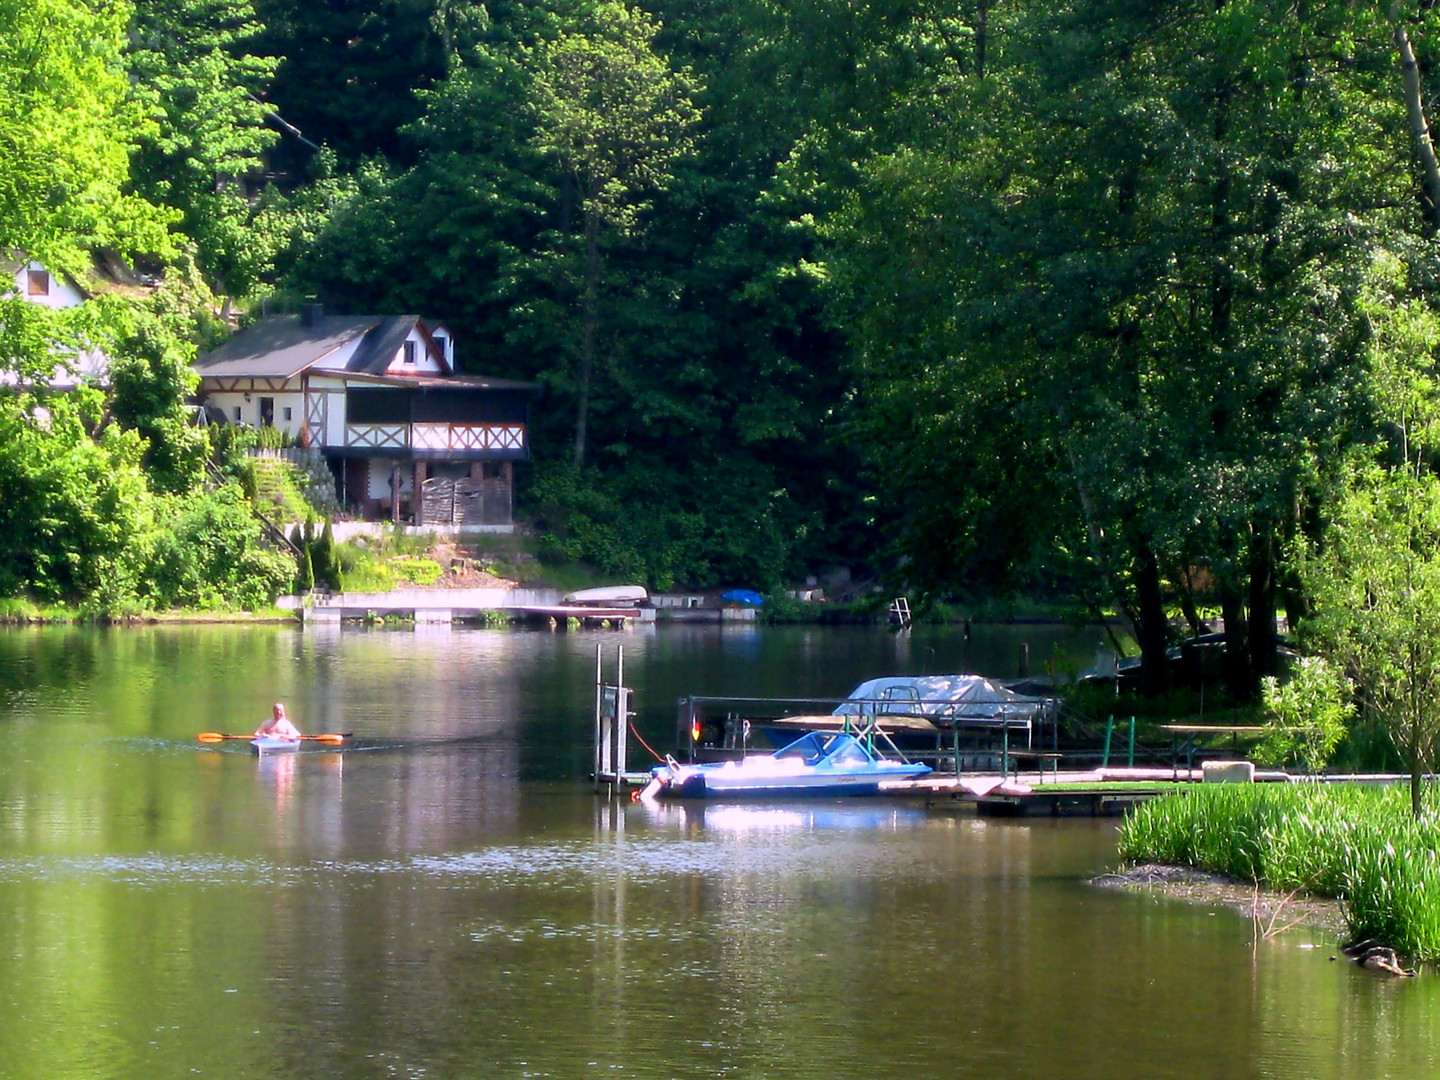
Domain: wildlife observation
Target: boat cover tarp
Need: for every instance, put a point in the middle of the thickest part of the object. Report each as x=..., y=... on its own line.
x=748, y=597
x=940, y=697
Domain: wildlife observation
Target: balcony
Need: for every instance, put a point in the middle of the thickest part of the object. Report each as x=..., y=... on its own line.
x=438, y=440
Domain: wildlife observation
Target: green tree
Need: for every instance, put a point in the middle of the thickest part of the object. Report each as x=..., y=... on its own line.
x=196, y=73
x=75, y=511
x=67, y=122
x=1306, y=716
x=615, y=117
x=1375, y=578
x=151, y=377
x=1162, y=325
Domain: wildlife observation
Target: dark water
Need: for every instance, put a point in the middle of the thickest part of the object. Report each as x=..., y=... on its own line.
x=452, y=902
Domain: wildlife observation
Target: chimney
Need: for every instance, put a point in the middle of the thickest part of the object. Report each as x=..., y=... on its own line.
x=312, y=314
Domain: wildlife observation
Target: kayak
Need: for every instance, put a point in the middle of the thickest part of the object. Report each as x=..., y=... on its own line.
x=267, y=744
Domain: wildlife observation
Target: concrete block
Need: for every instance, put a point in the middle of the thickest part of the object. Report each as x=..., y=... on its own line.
x=1228, y=772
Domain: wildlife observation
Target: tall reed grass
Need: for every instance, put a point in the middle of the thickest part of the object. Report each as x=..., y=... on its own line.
x=1359, y=844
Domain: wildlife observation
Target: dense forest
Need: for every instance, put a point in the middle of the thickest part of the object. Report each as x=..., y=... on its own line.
x=1126, y=303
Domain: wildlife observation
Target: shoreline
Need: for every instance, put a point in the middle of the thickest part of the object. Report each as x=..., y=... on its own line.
x=153, y=618
x=1273, y=911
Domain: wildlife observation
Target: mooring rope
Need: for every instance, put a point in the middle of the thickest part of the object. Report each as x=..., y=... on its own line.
x=645, y=744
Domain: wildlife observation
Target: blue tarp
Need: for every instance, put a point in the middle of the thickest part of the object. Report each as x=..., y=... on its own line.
x=748, y=597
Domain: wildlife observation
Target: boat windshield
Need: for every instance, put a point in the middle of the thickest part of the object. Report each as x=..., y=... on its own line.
x=851, y=753
x=809, y=749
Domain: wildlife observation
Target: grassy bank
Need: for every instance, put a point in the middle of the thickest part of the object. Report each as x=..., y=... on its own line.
x=1358, y=844
x=22, y=612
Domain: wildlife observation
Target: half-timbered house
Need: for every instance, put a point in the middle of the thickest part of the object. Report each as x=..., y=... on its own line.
x=405, y=436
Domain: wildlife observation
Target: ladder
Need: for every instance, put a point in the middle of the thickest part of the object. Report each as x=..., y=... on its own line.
x=900, y=612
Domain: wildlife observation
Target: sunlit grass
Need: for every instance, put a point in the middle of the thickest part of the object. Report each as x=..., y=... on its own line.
x=1358, y=844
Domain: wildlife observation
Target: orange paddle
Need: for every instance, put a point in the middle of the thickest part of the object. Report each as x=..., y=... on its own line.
x=330, y=739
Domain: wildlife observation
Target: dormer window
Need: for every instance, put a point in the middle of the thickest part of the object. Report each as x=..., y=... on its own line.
x=37, y=283
x=409, y=351
x=440, y=345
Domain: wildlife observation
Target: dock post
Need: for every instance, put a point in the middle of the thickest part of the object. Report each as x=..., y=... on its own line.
x=622, y=716
x=955, y=735
x=1005, y=749
x=599, y=711
x=1132, y=742
x=1109, y=729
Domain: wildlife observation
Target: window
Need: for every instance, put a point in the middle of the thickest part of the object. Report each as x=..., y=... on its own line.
x=37, y=283
x=440, y=346
x=409, y=352
x=289, y=412
x=237, y=414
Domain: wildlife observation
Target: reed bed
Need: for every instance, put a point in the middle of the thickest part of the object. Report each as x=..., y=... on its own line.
x=1360, y=845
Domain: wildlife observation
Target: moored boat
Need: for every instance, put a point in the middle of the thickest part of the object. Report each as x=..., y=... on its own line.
x=608, y=596
x=820, y=763
x=915, y=709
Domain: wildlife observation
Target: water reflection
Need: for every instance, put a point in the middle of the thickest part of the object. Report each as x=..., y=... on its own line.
x=739, y=818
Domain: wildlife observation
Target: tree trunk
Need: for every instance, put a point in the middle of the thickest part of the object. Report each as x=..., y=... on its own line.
x=589, y=303
x=1237, y=634
x=1154, y=664
x=1264, y=641
x=1186, y=587
x=1420, y=134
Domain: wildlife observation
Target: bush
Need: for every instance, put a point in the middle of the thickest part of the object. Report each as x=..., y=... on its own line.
x=211, y=555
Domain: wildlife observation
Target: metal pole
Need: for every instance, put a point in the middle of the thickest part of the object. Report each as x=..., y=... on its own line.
x=1005, y=750
x=622, y=715
x=1132, y=742
x=955, y=731
x=599, y=708
x=1109, y=728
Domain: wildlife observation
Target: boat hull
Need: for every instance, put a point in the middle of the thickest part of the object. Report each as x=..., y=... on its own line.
x=814, y=765
x=266, y=746
x=699, y=787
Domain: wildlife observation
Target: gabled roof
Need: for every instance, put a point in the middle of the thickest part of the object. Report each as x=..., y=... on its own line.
x=378, y=349
x=282, y=345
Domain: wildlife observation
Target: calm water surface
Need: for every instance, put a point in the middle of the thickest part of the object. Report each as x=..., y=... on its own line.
x=450, y=901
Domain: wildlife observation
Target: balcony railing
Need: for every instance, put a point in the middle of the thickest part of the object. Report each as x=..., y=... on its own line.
x=435, y=437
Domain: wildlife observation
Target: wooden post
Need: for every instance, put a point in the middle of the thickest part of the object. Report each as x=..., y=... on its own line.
x=507, y=473
x=416, y=499
x=395, y=494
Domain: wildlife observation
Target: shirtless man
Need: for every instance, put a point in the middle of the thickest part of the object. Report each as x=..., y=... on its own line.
x=278, y=726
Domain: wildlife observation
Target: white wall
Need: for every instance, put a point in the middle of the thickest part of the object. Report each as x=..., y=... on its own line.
x=62, y=294
x=425, y=363
x=379, y=480
x=250, y=410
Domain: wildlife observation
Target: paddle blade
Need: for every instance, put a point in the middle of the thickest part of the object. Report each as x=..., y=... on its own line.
x=210, y=736
x=330, y=740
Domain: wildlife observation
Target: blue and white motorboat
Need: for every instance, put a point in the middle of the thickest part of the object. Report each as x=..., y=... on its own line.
x=820, y=763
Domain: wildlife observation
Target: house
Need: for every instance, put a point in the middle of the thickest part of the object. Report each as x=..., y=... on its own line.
x=32, y=282
x=379, y=398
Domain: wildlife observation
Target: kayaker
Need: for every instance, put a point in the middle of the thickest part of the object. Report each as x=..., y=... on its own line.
x=278, y=726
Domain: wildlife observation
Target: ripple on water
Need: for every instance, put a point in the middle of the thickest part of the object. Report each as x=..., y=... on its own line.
x=578, y=863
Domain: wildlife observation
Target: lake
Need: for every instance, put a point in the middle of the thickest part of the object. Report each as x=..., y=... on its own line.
x=450, y=900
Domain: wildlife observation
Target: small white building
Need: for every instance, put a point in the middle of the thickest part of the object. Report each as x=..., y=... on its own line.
x=379, y=398
x=34, y=283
